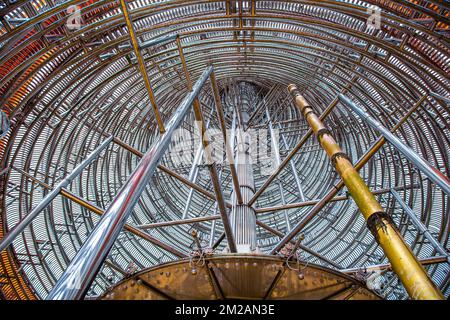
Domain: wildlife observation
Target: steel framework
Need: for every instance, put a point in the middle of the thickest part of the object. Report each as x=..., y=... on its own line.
x=86, y=103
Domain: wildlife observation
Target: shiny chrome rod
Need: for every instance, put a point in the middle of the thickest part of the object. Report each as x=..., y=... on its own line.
x=80, y=273
x=25, y=222
x=432, y=173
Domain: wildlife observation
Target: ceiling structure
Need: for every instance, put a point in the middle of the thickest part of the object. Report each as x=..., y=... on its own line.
x=65, y=90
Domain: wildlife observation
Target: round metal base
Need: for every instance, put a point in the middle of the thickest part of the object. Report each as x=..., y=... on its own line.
x=239, y=276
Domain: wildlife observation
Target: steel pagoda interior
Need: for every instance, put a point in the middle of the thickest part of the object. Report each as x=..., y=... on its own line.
x=94, y=207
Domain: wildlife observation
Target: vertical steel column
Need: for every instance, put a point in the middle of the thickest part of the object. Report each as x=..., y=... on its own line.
x=25, y=222
x=409, y=270
x=243, y=217
x=420, y=226
x=432, y=173
x=82, y=270
x=141, y=64
x=211, y=165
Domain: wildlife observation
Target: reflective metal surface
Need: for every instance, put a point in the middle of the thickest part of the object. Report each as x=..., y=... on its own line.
x=65, y=90
x=252, y=277
x=84, y=267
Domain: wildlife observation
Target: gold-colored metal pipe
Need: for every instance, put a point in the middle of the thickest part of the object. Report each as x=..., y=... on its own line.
x=408, y=269
x=141, y=64
x=221, y=203
x=229, y=152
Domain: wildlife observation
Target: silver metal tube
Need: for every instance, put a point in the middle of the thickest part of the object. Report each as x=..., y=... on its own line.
x=193, y=174
x=420, y=226
x=432, y=173
x=387, y=266
x=178, y=222
x=213, y=224
x=283, y=202
x=25, y=222
x=82, y=270
x=242, y=217
x=150, y=43
x=276, y=149
x=438, y=96
x=273, y=139
x=294, y=171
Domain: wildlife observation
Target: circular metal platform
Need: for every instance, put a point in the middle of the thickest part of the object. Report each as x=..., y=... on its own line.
x=239, y=276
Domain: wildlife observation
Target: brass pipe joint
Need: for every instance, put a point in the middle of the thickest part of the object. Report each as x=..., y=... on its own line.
x=408, y=269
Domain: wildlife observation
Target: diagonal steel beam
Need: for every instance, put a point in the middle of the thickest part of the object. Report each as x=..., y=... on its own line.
x=310, y=203
x=193, y=175
x=420, y=226
x=207, y=152
x=228, y=151
x=99, y=211
x=360, y=163
x=141, y=65
x=262, y=104
x=127, y=227
x=410, y=272
x=424, y=166
x=388, y=266
x=215, y=180
x=303, y=247
x=209, y=270
x=28, y=219
x=171, y=173
x=298, y=146
x=80, y=273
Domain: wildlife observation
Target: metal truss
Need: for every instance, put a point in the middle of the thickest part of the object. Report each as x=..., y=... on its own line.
x=125, y=73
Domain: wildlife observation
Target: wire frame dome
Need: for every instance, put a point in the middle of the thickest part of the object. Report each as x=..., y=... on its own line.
x=65, y=90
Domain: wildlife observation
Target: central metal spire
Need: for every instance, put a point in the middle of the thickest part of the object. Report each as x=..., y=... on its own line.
x=243, y=219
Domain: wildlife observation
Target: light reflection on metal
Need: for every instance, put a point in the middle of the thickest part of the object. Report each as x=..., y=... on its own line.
x=424, y=166
x=420, y=226
x=28, y=219
x=81, y=271
x=99, y=211
x=410, y=272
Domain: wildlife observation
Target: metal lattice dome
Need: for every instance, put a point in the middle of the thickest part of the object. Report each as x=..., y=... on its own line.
x=65, y=90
